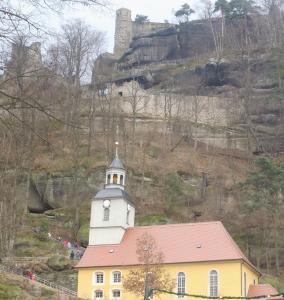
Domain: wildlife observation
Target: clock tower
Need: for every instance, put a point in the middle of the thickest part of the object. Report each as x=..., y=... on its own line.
x=112, y=210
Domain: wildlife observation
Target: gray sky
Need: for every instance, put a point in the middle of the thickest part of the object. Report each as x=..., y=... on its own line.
x=104, y=20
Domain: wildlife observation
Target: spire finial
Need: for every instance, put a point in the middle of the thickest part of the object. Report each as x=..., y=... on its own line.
x=116, y=149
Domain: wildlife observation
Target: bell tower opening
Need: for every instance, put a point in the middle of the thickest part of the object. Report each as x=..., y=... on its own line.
x=115, y=174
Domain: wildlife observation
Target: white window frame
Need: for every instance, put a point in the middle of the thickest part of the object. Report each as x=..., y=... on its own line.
x=177, y=276
x=218, y=283
x=111, y=294
x=95, y=278
x=112, y=277
x=94, y=294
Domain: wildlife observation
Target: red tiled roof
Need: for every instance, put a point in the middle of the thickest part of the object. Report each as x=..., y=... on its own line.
x=261, y=290
x=193, y=242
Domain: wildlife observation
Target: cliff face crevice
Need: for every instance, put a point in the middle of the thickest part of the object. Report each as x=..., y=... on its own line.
x=50, y=191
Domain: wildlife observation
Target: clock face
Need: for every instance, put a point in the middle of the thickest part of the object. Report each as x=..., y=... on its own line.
x=128, y=207
x=106, y=204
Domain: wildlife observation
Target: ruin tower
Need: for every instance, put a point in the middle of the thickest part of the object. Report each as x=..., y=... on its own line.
x=35, y=54
x=123, y=31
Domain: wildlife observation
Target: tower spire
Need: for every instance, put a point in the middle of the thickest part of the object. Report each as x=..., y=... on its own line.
x=116, y=149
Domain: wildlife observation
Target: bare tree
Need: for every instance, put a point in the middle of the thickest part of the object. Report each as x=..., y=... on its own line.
x=150, y=272
x=71, y=58
x=137, y=100
x=24, y=91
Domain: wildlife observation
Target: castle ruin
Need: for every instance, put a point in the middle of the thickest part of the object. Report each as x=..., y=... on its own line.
x=126, y=30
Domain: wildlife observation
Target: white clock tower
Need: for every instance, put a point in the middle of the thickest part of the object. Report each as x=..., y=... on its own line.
x=112, y=210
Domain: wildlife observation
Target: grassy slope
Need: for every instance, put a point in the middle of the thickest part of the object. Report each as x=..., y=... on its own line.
x=187, y=161
x=15, y=287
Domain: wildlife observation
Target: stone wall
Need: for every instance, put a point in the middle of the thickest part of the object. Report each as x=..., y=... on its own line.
x=146, y=28
x=206, y=110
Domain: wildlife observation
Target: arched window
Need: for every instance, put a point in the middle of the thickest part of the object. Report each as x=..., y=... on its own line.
x=99, y=294
x=106, y=214
x=181, y=284
x=108, y=179
x=121, y=179
x=114, y=179
x=213, y=283
x=245, y=284
x=116, y=277
x=116, y=294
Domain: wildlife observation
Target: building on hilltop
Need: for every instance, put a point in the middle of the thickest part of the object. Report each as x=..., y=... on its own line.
x=126, y=30
x=205, y=255
x=24, y=59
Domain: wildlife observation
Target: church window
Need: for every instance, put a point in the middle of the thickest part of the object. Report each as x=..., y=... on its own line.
x=99, y=294
x=120, y=94
x=116, y=294
x=121, y=179
x=213, y=283
x=108, y=178
x=99, y=277
x=181, y=284
x=116, y=277
x=245, y=284
x=115, y=178
x=106, y=214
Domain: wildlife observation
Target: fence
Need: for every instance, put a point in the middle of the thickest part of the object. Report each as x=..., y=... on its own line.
x=16, y=259
x=39, y=279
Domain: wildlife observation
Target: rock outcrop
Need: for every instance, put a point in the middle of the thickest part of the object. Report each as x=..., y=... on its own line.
x=48, y=191
x=182, y=41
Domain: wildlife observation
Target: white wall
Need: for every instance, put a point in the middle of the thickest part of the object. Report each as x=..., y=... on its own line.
x=109, y=232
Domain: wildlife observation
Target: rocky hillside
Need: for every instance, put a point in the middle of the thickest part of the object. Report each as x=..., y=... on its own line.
x=221, y=158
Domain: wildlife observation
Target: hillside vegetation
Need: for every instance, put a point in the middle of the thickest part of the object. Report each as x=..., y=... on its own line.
x=58, y=134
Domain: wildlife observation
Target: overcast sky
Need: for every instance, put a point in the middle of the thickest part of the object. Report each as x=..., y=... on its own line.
x=104, y=20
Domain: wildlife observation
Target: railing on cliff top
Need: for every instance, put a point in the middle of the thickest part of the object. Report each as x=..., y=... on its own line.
x=16, y=259
x=38, y=279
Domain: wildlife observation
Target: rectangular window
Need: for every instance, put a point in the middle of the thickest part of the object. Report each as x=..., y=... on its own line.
x=106, y=214
x=116, y=294
x=99, y=295
x=116, y=277
x=99, y=277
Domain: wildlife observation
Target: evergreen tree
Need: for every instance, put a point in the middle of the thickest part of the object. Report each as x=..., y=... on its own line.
x=141, y=19
x=184, y=13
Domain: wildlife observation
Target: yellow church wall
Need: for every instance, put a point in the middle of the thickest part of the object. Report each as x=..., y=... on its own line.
x=249, y=276
x=230, y=274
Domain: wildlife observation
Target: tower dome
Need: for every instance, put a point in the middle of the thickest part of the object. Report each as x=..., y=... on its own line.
x=115, y=174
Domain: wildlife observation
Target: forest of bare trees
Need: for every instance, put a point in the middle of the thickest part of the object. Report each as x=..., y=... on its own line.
x=47, y=107
x=37, y=93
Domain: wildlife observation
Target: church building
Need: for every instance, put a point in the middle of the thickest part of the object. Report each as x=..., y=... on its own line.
x=202, y=258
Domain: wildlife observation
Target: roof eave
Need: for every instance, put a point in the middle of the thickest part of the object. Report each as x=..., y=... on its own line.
x=169, y=263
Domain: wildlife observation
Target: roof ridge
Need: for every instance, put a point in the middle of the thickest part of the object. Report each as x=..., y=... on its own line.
x=176, y=225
